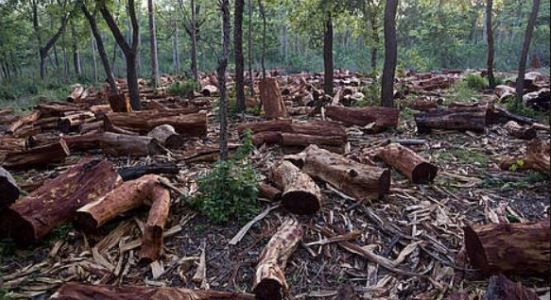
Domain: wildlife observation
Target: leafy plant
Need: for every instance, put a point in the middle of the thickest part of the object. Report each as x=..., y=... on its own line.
x=229, y=190
x=183, y=88
x=476, y=82
x=372, y=94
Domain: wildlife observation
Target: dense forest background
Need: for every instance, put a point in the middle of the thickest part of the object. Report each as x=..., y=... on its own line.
x=432, y=35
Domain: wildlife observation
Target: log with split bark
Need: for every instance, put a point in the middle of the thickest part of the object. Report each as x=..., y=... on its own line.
x=37, y=157
x=167, y=136
x=183, y=121
x=536, y=157
x=517, y=248
x=520, y=131
x=269, y=281
x=79, y=291
x=8, y=189
x=145, y=190
x=270, y=97
x=300, y=194
x=409, y=163
x=57, y=109
x=24, y=120
x=352, y=178
x=56, y=201
x=378, y=118
x=500, y=288
x=456, y=118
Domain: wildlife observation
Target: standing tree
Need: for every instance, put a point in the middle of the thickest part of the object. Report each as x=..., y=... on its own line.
x=328, y=53
x=250, y=47
x=222, y=65
x=372, y=9
x=239, y=59
x=130, y=51
x=525, y=48
x=192, y=28
x=391, y=53
x=490, y=38
x=76, y=51
x=263, y=54
x=153, y=44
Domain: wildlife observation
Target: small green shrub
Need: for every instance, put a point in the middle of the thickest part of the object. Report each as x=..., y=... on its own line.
x=520, y=109
x=461, y=92
x=183, y=88
x=372, y=95
x=476, y=82
x=229, y=190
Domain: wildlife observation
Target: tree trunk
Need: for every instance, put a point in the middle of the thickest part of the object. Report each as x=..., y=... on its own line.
x=239, y=59
x=56, y=200
x=8, y=188
x=264, y=24
x=301, y=195
x=250, y=47
x=114, y=144
x=78, y=291
x=194, y=29
x=490, y=39
x=153, y=44
x=525, y=48
x=167, y=136
x=270, y=97
x=328, y=55
x=222, y=64
x=409, y=163
x=391, y=54
x=381, y=117
x=76, y=52
x=269, y=281
x=94, y=61
x=519, y=248
x=37, y=157
x=185, y=123
x=499, y=288
x=454, y=118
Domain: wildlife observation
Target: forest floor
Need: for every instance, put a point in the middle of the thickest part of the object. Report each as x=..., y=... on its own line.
x=419, y=226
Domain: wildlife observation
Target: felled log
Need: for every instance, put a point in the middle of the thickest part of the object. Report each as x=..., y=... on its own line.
x=52, y=204
x=10, y=144
x=134, y=172
x=424, y=104
x=114, y=144
x=120, y=103
x=185, y=123
x=209, y=90
x=269, y=281
x=352, y=178
x=38, y=156
x=270, y=97
x=520, y=132
x=464, y=118
x=73, y=122
x=47, y=123
x=208, y=153
x=516, y=248
x=537, y=158
x=83, y=142
x=24, y=120
x=381, y=117
x=505, y=92
x=500, y=288
x=167, y=136
x=8, y=189
x=409, y=163
x=76, y=93
x=152, y=240
x=540, y=100
x=79, y=291
x=57, y=109
x=90, y=126
x=269, y=192
x=301, y=195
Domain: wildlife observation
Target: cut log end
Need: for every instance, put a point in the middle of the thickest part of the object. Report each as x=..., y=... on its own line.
x=474, y=248
x=269, y=289
x=300, y=202
x=424, y=173
x=384, y=183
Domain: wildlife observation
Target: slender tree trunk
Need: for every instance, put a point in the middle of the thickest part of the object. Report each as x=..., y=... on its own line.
x=328, y=55
x=222, y=64
x=263, y=55
x=525, y=48
x=239, y=59
x=250, y=47
x=94, y=61
x=153, y=44
x=76, y=54
x=490, y=39
x=194, y=69
x=391, y=53
x=176, y=47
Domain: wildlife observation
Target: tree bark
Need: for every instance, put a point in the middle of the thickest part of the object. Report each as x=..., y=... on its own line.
x=114, y=144
x=519, y=248
x=454, y=118
x=264, y=25
x=239, y=58
x=382, y=117
x=76, y=52
x=409, y=163
x=499, y=288
x=525, y=48
x=490, y=40
x=250, y=47
x=56, y=200
x=300, y=195
x=194, y=29
x=185, y=123
x=8, y=188
x=269, y=282
x=78, y=291
x=222, y=64
x=270, y=96
x=37, y=157
x=153, y=44
x=391, y=54
x=328, y=54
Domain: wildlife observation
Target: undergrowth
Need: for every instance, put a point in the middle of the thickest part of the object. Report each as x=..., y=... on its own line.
x=183, y=88
x=23, y=93
x=228, y=191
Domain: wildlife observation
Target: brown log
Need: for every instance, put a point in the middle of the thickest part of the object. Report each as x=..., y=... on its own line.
x=381, y=117
x=152, y=240
x=537, y=158
x=185, y=123
x=270, y=96
x=269, y=192
x=518, y=248
x=114, y=144
x=11, y=144
x=120, y=103
x=504, y=91
x=167, y=136
x=424, y=104
x=47, y=123
x=57, y=200
x=351, y=177
x=520, y=132
x=76, y=93
x=269, y=281
x=301, y=195
x=8, y=189
x=501, y=288
x=90, y=126
x=24, y=120
x=72, y=122
x=79, y=291
x=27, y=131
x=209, y=90
x=409, y=163
x=56, y=109
x=84, y=142
x=38, y=156
x=464, y=118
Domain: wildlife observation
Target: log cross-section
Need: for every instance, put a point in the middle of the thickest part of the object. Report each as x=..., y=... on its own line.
x=301, y=195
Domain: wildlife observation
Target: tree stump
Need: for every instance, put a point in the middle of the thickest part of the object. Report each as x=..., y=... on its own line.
x=536, y=158
x=120, y=103
x=270, y=96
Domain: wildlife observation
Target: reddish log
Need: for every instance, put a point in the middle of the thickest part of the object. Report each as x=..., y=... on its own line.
x=501, y=288
x=518, y=248
x=114, y=144
x=185, y=123
x=381, y=117
x=24, y=120
x=537, y=158
x=57, y=109
x=37, y=157
x=520, y=132
x=78, y=291
x=269, y=192
x=57, y=200
x=90, y=126
x=409, y=163
x=12, y=144
x=120, y=103
x=270, y=96
x=301, y=195
x=152, y=240
x=269, y=281
x=72, y=122
x=8, y=189
x=47, y=123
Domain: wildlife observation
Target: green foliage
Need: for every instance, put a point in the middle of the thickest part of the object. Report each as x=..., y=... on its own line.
x=228, y=191
x=23, y=93
x=372, y=95
x=183, y=88
x=464, y=156
x=461, y=92
x=476, y=82
x=520, y=109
